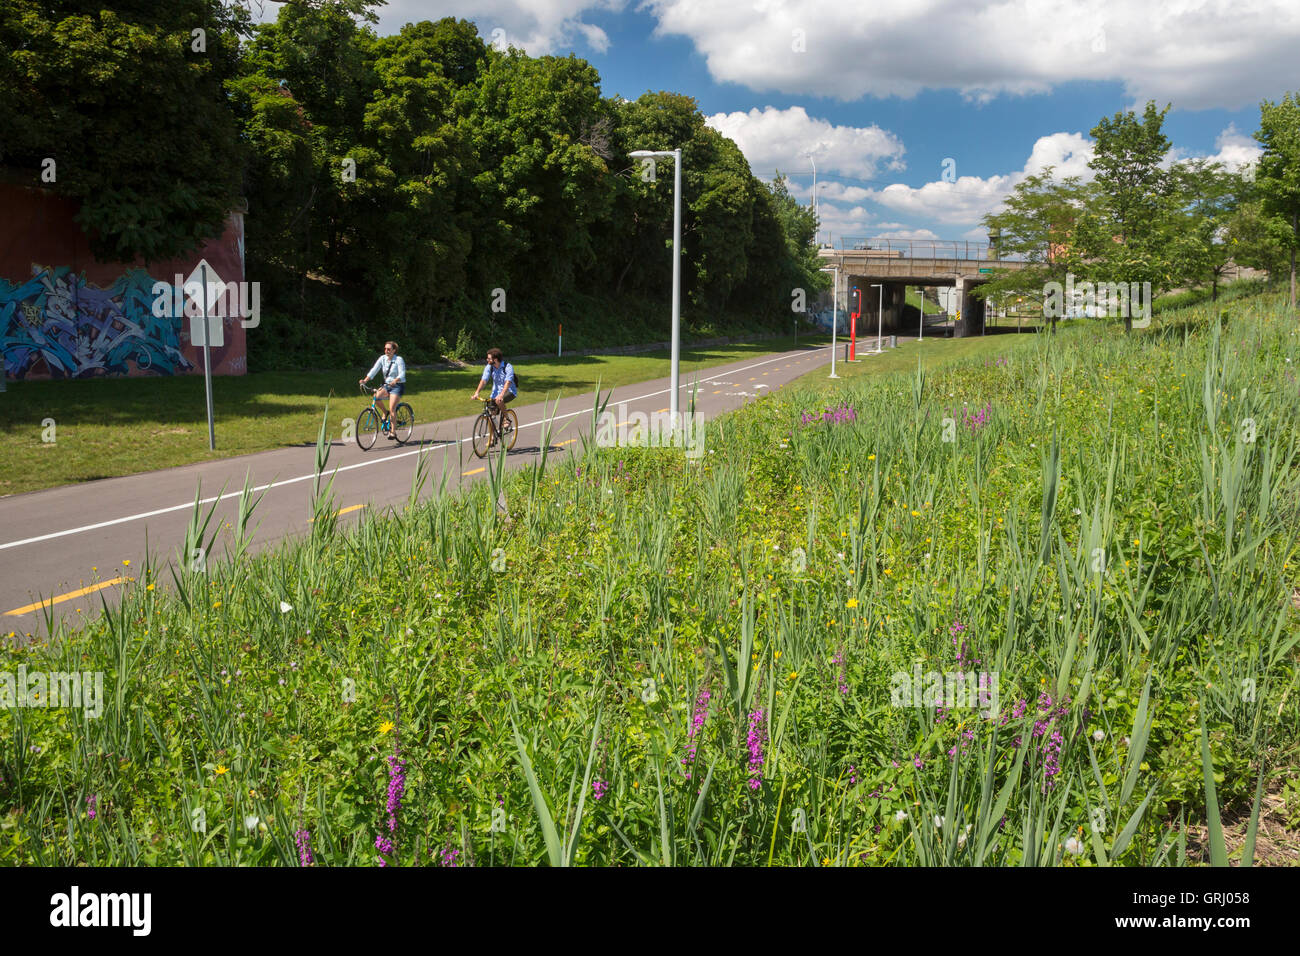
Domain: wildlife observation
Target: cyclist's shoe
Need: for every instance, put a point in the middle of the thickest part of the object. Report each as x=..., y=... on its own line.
x=392, y=437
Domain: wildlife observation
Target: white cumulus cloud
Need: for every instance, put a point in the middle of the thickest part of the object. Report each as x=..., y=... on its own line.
x=539, y=26
x=1195, y=53
x=787, y=139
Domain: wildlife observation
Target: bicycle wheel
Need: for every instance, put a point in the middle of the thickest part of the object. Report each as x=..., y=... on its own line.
x=403, y=423
x=367, y=428
x=482, y=434
x=510, y=428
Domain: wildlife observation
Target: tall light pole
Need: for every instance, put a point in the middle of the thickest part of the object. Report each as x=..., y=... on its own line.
x=835, y=313
x=920, y=334
x=814, y=162
x=880, y=315
x=676, y=154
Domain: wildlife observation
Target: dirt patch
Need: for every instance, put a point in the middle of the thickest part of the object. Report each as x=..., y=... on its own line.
x=1275, y=843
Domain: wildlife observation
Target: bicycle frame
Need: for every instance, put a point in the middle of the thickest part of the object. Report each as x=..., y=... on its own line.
x=491, y=412
x=374, y=402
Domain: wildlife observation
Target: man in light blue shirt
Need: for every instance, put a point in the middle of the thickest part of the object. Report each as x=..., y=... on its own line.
x=504, y=384
x=393, y=371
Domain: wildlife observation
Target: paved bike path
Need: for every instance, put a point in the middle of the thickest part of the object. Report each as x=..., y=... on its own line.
x=77, y=545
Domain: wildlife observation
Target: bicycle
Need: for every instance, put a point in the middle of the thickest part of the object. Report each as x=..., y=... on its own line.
x=486, y=432
x=373, y=420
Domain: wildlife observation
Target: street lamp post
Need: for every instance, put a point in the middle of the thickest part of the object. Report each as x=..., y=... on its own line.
x=676, y=155
x=880, y=315
x=920, y=332
x=835, y=313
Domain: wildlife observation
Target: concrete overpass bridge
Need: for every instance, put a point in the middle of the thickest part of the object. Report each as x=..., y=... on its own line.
x=899, y=263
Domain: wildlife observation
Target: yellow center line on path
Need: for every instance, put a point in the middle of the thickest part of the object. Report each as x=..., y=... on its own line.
x=717, y=391
x=476, y=471
x=341, y=511
x=661, y=410
x=66, y=597
x=569, y=441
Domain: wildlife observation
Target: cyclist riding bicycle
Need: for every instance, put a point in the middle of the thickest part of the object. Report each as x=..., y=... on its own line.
x=504, y=384
x=393, y=371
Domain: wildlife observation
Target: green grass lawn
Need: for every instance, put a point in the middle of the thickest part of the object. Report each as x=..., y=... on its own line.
x=767, y=655
x=109, y=427
x=931, y=351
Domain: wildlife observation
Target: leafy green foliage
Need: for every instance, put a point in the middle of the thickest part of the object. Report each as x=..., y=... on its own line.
x=133, y=116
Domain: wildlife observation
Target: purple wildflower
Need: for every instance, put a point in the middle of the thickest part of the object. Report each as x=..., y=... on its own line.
x=1051, y=764
x=755, y=740
x=303, y=839
x=91, y=802
x=598, y=788
x=698, y=717
x=838, y=661
x=396, y=790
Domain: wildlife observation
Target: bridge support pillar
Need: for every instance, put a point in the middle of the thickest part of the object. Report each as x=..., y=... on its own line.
x=971, y=309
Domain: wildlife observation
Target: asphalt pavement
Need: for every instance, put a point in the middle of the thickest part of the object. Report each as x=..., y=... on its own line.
x=68, y=548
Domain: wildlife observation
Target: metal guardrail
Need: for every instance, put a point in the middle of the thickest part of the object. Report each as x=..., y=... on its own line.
x=950, y=249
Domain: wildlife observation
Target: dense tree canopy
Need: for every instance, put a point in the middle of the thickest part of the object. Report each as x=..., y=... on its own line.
x=122, y=108
x=391, y=182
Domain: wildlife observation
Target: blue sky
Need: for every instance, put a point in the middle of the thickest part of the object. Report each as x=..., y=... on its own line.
x=880, y=94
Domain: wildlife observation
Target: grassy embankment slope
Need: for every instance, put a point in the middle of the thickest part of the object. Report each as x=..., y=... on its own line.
x=683, y=659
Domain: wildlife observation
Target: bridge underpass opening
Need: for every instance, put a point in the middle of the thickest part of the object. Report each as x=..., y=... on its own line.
x=865, y=265
x=865, y=300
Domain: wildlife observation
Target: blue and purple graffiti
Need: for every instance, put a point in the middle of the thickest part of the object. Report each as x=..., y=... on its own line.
x=75, y=329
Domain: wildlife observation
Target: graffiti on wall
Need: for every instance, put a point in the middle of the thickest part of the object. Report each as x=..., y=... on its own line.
x=60, y=325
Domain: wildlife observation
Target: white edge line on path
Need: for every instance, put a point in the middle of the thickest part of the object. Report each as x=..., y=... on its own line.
x=360, y=464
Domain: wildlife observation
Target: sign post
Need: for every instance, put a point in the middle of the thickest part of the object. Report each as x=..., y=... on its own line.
x=853, y=325
x=207, y=359
x=201, y=327
x=560, y=348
